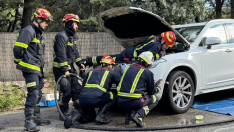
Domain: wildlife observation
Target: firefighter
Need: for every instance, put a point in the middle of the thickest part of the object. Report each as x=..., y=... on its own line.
x=156, y=44
x=95, y=92
x=29, y=57
x=137, y=90
x=65, y=55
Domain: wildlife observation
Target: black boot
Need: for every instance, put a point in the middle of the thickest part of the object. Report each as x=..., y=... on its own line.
x=101, y=115
x=128, y=117
x=37, y=119
x=79, y=111
x=138, y=120
x=74, y=115
x=29, y=123
x=64, y=110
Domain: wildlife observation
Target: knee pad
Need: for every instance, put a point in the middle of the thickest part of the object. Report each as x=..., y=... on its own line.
x=32, y=98
x=64, y=84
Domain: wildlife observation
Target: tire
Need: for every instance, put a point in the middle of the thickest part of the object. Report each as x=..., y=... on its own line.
x=179, y=94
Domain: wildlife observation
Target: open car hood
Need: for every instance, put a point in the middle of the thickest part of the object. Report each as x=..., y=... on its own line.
x=130, y=26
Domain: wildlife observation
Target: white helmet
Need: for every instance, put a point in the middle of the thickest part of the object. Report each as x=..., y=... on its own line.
x=148, y=57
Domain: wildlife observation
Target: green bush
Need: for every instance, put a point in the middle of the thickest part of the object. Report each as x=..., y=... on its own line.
x=11, y=99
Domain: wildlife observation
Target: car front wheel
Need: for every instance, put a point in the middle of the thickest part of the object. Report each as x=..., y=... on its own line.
x=180, y=92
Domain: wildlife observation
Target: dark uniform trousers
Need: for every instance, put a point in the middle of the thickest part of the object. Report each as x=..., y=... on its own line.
x=34, y=85
x=88, y=104
x=72, y=90
x=142, y=105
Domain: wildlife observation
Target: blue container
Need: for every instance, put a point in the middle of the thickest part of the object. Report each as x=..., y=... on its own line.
x=47, y=103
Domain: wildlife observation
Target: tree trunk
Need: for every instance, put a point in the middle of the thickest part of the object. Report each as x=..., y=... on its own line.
x=27, y=14
x=9, y=27
x=232, y=9
x=197, y=19
x=218, y=9
x=15, y=21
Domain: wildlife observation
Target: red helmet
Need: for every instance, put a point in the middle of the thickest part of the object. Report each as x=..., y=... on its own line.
x=43, y=13
x=169, y=38
x=71, y=17
x=107, y=59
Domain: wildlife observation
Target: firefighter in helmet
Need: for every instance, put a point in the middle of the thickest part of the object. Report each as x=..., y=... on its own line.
x=95, y=92
x=65, y=55
x=29, y=57
x=137, y=90
x=156, y=44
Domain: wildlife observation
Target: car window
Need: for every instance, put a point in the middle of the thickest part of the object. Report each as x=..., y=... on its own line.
x=190, y=33
x=230, y=27
x=214, y=31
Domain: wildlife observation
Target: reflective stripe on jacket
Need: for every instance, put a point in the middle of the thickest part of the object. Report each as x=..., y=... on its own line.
x=153, y=44
x=98, y=82
x=29, y=50
x=135, y=81
x=65, y=50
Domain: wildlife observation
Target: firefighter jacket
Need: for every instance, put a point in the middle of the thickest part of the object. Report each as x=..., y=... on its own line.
x=135, y=81
x=29, y=50
x=65, y=51
x=98, y=82
x=153, y=44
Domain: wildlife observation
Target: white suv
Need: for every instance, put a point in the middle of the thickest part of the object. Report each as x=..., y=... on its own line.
x=201, y=61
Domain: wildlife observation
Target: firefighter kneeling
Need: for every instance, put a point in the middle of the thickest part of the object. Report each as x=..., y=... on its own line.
x=95, y=92
x=137, y=90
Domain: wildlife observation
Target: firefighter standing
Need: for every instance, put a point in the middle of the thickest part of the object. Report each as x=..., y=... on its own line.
x=156, y=44
x=65, y=54
x=95, y=92
x=29, y=57
x=137, y=91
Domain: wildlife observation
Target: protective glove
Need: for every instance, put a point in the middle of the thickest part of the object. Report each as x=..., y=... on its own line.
x=82, y=74
x=122, y=67
x=157, y=83
x=158, y=86
x=83, y=61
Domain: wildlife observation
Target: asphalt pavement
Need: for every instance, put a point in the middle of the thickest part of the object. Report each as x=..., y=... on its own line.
x=13, y=121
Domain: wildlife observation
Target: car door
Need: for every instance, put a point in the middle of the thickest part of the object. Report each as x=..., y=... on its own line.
x=216, y=60
x=230, y=52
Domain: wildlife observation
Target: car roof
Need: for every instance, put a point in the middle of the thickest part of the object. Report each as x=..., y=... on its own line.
x=202, y=23
x=190, y=25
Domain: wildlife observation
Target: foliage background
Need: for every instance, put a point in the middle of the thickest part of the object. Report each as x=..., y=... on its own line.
x=16, y=14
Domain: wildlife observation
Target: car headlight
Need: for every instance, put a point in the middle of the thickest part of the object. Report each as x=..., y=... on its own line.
x=161, y=60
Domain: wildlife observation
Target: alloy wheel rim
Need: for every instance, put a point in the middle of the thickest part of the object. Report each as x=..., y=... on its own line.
x=182, y=92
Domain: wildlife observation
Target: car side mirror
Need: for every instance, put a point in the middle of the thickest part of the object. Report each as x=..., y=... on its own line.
x=212, y=41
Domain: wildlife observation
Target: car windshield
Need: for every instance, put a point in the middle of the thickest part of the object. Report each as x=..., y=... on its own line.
x=189, y=33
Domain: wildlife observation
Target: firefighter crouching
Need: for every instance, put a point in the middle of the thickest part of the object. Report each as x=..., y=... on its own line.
x=137, y=91
x=95, y=92
x=65, y=55
x=29, y=57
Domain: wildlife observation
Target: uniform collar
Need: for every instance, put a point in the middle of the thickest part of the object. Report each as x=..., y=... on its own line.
x=68, y=31
x=37, y=29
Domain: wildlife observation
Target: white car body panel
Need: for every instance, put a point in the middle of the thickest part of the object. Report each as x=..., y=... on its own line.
x=214, y=68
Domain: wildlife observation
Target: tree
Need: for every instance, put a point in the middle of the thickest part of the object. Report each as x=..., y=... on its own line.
x=85, y=9
x=178, y=11
x=217, y=5
x=27, y=13
x=232, y=8
x=10, y=15
x=19, y=12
